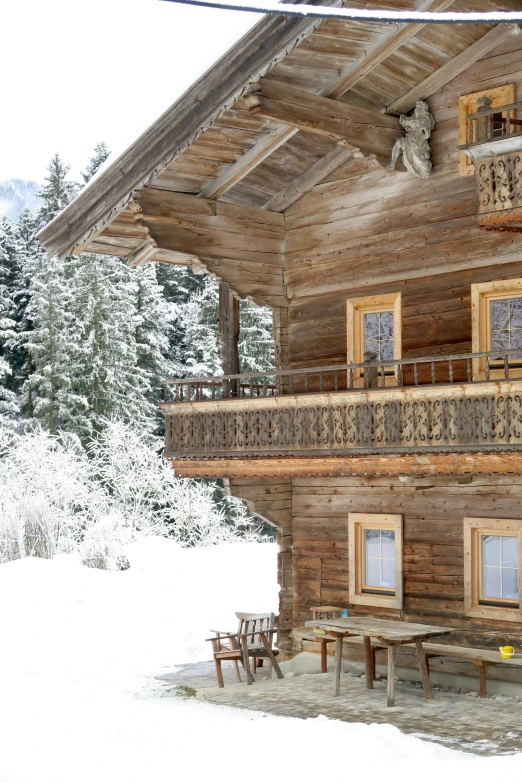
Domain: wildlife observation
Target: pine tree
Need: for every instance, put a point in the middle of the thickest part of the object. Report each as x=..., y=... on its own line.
x=154, y=326
x=27, y=258
x=199, y=320
x=7, y=324
x=57, y=191
x=105, y=379
x=98, y=158
x=256, y=341
x=48, y=342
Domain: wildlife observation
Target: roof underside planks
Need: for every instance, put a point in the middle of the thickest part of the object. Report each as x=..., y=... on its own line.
x=219, y=152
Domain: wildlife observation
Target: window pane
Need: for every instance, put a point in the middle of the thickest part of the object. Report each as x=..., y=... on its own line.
x=386, y=351
x=491, y=582
x=388, y=573
x=371, y=326
x=373, y=573
x=372, y=543
x=499, y=313
x=509, y=552
x=372, y=345
x=388, y=544
x=516, y=313
x=510, y=583
x=500, y=340
x=387, y=326
x=491, y=550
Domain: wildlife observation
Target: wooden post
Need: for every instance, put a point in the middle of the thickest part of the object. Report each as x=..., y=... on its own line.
x=229, y=335
x=338, y=661
x=483, y=692
x=391, y=675
x=324, y=665
x=368, y=662
x=425, y=677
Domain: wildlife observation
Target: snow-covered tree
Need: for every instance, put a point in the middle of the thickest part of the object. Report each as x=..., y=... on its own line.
x=256, y=340
x=27, y=257
x=7, y=324
x=154, y=328
x=98, y=158
x=57, y=190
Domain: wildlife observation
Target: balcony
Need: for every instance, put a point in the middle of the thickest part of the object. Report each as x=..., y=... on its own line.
x=495, y=146
x=430, y=404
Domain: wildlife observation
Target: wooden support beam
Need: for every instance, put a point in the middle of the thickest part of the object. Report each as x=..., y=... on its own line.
x=310, y=178
x=442, y=76
x=498, y=463
x=229, y=333
x=350, y=76
x=357, y=70
x=369, y=131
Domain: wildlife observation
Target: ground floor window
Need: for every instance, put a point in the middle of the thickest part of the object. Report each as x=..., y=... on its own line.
x=375, y=559
x=492, y=568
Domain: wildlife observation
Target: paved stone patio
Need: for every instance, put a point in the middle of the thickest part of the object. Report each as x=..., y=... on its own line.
x=491, y=726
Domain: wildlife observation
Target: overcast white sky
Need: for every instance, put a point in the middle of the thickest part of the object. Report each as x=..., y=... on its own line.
x=75, y=73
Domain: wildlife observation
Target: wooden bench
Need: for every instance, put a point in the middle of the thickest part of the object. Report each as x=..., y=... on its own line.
x=481, y=658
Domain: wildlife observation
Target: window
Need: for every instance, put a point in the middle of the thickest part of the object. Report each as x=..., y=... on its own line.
x=497, y=325
x=375, y=559
x=468, y=104
x=374, y=325
x=492, y=568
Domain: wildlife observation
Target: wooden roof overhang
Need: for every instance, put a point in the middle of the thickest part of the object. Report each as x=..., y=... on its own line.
x=295, y=99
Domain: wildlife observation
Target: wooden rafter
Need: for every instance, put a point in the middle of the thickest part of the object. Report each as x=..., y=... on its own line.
x=311, y=177
x=460, y=63
x=369, y=131
x=237, y=171
x=370, y=60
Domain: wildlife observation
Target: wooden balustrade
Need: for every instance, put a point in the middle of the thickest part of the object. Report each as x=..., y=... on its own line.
x=430, y=404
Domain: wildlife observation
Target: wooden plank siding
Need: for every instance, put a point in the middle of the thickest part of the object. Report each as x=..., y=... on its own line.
x=363, y=224
x=433, y=557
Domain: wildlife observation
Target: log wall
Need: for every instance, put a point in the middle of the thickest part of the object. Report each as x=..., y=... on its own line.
x=433, y=558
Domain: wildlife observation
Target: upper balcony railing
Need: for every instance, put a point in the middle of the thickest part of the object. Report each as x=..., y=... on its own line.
x=463, y=402
x=396, y=373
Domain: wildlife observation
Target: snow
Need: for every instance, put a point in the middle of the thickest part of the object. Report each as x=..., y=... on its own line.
x=374, y=14
x=79, y=703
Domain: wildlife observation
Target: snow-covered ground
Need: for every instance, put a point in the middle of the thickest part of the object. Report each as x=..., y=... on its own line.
x=78, y=700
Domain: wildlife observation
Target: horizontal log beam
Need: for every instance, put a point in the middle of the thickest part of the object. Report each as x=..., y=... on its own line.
x=460, y=63
x=368, y=131
x=311, y=177
x=500, y=463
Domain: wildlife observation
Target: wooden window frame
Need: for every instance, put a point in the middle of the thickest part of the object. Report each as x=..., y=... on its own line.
x=356, y=308
x=474, y=528
x=357, y=523
x=481, y=296
x=501, y=96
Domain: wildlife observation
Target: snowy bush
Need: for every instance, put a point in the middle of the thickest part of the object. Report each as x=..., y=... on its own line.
x=56, y=497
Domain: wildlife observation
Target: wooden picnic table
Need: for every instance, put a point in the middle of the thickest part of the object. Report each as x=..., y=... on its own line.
x=391, y=634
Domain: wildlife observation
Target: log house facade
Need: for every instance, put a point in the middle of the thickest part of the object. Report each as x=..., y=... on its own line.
x=271, y=174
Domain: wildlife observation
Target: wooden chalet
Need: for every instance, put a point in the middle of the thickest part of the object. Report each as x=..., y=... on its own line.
x=387, y=446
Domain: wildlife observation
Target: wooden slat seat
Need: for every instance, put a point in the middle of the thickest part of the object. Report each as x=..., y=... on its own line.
x=480, y=658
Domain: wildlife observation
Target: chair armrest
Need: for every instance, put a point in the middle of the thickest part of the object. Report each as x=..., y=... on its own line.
x=221, y=637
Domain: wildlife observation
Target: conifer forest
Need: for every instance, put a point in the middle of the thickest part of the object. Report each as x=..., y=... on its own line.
x=85, y=344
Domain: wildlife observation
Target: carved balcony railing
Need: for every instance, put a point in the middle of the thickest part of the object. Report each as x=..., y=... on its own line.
x=495, y=146
x=427, y=404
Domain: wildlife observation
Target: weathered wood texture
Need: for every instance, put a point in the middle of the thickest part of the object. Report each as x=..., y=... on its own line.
x=433, y=560
x=436, y=316
x=363, y=224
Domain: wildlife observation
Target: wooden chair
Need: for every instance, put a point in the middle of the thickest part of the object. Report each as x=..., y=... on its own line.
x=324, y=613
x=254, y=639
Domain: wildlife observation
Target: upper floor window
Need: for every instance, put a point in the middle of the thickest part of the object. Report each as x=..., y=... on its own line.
x=468, y=104
x=492, y=555
x=374, y=329
x=497, y=325
x=375, y=559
